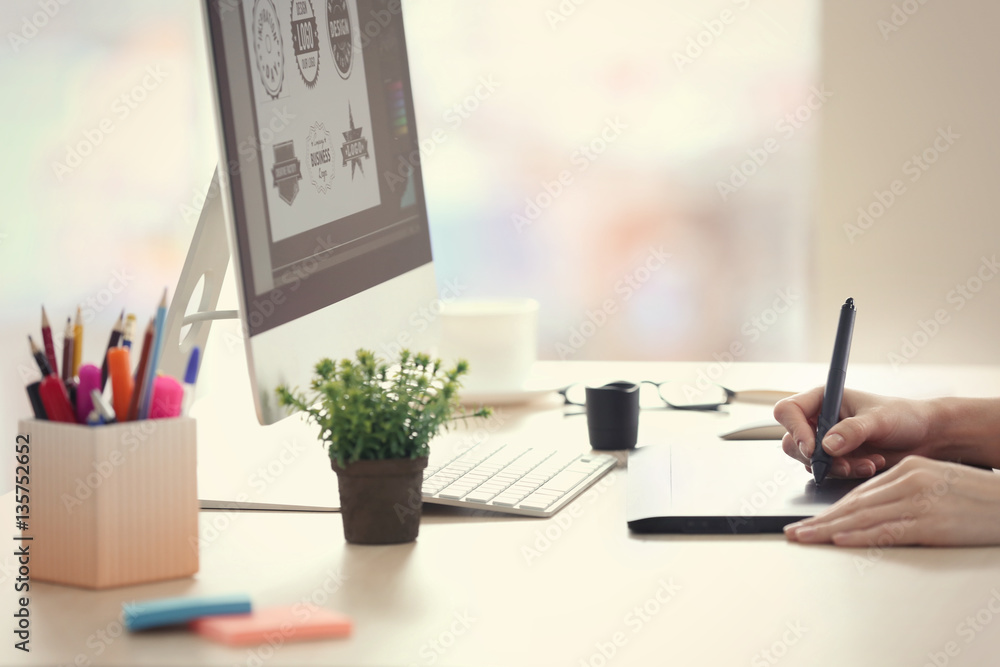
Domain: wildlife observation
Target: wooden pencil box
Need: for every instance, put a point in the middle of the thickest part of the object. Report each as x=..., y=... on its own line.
x=111, y=505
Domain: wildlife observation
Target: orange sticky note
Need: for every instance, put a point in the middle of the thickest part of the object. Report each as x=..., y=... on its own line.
x=274, y=624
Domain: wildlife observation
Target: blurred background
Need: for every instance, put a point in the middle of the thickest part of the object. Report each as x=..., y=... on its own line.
x=667, y=177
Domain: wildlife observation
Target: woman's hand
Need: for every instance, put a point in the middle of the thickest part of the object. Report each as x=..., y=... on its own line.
x=919, y=501
x=874, y=432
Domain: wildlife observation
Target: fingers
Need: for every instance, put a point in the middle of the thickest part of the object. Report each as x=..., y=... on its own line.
x=878, y=504
x=873, y=493
x=867, y=425
x=851, y=467
x=863, y=521
x=795, y=414
x=890, y=533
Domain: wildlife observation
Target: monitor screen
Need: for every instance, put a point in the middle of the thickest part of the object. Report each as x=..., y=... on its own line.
x=320, y=183
x=320, y=151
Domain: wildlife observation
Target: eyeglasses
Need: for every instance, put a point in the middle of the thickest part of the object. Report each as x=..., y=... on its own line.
x=692, y=396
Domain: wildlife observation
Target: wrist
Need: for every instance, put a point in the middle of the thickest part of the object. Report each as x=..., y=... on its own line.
x=964, y=430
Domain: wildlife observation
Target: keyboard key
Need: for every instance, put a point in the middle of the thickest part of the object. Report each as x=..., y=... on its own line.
x=537, y=501
x=564, y=481
x=454, y=493
x=508, y=499
x=534, y=479
x=479, y=497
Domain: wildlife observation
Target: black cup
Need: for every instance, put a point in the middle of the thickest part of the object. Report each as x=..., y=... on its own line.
x=613, y=415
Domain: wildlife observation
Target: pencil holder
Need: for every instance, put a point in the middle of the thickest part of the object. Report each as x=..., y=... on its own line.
x=112, y=505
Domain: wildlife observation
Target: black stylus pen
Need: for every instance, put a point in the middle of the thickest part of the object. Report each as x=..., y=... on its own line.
x=833, y=395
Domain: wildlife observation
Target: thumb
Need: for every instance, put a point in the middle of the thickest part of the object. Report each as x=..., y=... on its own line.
x=848, y=434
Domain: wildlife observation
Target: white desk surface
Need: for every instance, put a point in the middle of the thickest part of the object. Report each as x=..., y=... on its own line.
x=484, y=589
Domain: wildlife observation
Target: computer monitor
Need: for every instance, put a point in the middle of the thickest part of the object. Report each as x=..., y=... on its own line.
x=319, y=182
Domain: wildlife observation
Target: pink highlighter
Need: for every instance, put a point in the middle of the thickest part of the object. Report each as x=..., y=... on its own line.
x=90, y=379
x=168, y=396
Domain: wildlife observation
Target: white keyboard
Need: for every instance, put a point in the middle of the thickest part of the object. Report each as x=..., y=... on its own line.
x=530, y=481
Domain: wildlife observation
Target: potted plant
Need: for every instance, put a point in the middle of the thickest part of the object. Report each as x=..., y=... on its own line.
x=377, y=419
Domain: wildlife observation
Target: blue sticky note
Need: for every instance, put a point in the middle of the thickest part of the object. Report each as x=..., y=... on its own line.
x=174, y=611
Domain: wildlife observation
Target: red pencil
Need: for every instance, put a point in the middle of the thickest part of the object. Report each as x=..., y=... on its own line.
x=50, y=348
x=140, y=373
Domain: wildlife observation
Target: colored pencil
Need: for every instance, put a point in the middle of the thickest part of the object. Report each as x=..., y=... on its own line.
x=50, y=347
x=154, y=358
x=77, y=344
x=140, y=375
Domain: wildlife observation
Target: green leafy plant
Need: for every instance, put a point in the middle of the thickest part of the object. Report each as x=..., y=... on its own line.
x=369, y=409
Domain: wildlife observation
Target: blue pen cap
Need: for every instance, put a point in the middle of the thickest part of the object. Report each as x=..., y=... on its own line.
x=192, y=368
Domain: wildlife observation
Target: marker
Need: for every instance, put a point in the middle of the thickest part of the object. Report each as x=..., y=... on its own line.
x=116, y=335
x=90, y=381
x=50, y=348
x=51, y=390
x=77, y=343
x=56, y=401
x=168, y=397
x=833, y=395
x=122, y=385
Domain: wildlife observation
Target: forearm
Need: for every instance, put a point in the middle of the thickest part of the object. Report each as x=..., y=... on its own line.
x=965, y=430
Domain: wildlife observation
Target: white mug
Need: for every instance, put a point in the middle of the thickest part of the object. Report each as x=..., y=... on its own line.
x=498, y=337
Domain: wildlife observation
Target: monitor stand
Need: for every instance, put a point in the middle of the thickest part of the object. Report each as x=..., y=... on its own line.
x=208, y=260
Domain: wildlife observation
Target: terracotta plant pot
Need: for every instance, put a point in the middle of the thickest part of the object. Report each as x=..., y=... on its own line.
x=380, y=500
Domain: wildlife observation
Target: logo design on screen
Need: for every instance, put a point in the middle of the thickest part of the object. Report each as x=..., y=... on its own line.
x=267, y=47
x=320, y=158
x=341, y=36
x=286, y=171
x=355, y=147
x=304, y=40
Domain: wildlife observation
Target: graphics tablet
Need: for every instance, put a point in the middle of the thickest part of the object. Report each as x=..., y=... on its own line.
x=722, y=487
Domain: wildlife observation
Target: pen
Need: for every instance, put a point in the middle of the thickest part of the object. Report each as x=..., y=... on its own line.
x=833, y=395
x=40, y=359
x=129, y=331
x=68, y=374
x=35, y=396
x=68, y=345
x=50, y=348
x=77, y=344
x=116, y=334
x=190, y=377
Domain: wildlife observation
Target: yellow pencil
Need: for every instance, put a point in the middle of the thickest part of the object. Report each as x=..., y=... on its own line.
x=77, y=342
